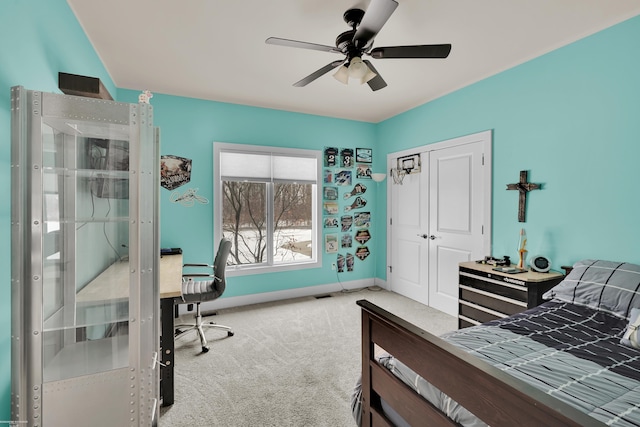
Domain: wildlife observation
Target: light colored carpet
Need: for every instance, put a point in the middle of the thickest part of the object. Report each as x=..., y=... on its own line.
x=290, y=363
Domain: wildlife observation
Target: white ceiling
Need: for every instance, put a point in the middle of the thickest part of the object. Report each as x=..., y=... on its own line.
x=215, y=49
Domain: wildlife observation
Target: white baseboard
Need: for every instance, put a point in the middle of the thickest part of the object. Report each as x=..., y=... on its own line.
x=229, y=302
x=381, y=283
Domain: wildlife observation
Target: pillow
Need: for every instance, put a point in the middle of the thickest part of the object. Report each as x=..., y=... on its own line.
x=608, y=286
x=631, y=336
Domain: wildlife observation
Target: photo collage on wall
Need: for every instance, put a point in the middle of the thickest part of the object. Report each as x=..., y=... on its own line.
x=347, y=174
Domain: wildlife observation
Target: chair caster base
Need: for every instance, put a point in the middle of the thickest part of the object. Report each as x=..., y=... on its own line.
x=229, y=333
x=205, y=349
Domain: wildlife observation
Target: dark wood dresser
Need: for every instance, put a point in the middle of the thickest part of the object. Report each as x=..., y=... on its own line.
x=486, y=294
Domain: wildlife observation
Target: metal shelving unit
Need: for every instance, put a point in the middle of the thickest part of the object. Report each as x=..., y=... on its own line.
x=85, y=254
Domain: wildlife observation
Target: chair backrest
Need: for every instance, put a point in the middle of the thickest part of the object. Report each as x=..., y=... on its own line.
x=220, y=263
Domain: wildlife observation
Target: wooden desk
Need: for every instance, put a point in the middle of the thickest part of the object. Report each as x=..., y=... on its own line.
x=113, y=284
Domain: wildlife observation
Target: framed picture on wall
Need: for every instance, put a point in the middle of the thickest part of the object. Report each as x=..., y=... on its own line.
x=364, y=155
x=330, y=193
x=331, y=243
x=363, y=171
x=346, y=156
x=330, y=156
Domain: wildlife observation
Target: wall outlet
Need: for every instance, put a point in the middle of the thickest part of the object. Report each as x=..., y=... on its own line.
x=333, y=265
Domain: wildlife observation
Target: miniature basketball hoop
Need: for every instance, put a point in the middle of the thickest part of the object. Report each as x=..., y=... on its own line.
x=404, y=166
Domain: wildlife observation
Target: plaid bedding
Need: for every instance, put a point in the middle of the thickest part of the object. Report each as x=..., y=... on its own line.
x=569, y=351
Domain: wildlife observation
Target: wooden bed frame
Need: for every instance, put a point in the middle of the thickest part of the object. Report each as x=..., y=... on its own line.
x=497, y=398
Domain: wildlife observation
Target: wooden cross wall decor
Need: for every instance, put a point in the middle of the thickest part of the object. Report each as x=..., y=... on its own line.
x=523, y=187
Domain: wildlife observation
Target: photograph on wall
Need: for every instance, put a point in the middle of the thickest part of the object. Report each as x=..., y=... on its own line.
x=328, y=176
x=342, y=177
x=363, y=155
x=174, y=171
x=346, y=241
x=363, y=171
x=330, y=193
x=362, y=219
x=346, y=158
x=331, y=243
x=330, y=157
x=331, y=222
x=340, y=263
x=349, y=261
x=362, y=252
x=330, y=208
x=346, y=221
x=359, y=202
x=363, y=236
x=357, y=189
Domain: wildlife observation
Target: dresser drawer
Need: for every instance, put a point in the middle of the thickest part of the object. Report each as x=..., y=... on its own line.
x=508, y=290
x=491, y=300
x=478, y=313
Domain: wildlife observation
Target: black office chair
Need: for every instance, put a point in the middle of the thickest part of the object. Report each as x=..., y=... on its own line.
x=202, y=287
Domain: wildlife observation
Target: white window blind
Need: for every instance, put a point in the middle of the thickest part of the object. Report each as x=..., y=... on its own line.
x=267, y=167
x=245, y=166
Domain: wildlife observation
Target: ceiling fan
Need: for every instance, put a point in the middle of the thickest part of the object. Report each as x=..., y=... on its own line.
x=358, y=41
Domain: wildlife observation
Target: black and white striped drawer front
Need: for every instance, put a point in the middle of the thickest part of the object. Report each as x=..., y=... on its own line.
x=482, y=299
x=482, y=306
x=514, y=289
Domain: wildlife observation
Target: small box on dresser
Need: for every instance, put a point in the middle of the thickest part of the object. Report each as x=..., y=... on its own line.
x=486, y=294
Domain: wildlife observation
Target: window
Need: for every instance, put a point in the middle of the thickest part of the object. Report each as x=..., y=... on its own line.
x=266, y=204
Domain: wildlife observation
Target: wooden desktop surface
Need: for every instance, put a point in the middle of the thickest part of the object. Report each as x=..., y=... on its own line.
x=113, y=283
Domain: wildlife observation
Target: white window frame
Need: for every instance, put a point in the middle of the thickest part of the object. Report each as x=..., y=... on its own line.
x=245, y=269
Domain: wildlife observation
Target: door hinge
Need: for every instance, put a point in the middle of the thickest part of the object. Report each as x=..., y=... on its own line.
x=482, y=159
x=390, y=221
x=390, y=269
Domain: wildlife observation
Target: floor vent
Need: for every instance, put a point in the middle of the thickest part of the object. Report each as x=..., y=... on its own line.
x=322, y=296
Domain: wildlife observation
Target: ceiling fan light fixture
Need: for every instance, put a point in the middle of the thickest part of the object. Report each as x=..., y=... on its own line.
x=342, y=75
x=357, y=68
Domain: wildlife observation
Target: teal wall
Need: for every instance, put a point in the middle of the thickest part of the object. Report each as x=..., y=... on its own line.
x=188, y=129
x=572, y=118
x=38, y=39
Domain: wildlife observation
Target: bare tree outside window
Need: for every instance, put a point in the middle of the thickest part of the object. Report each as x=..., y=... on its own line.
x=244, y=220
x=245, y=214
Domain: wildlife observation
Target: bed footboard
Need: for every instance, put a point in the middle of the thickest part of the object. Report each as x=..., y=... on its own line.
x=492, y=395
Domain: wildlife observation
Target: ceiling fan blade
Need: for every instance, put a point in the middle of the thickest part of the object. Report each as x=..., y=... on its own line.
x=373, y=20
x=377, y=82
x=418, y=51
x=322, y=71
x=303, y=45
